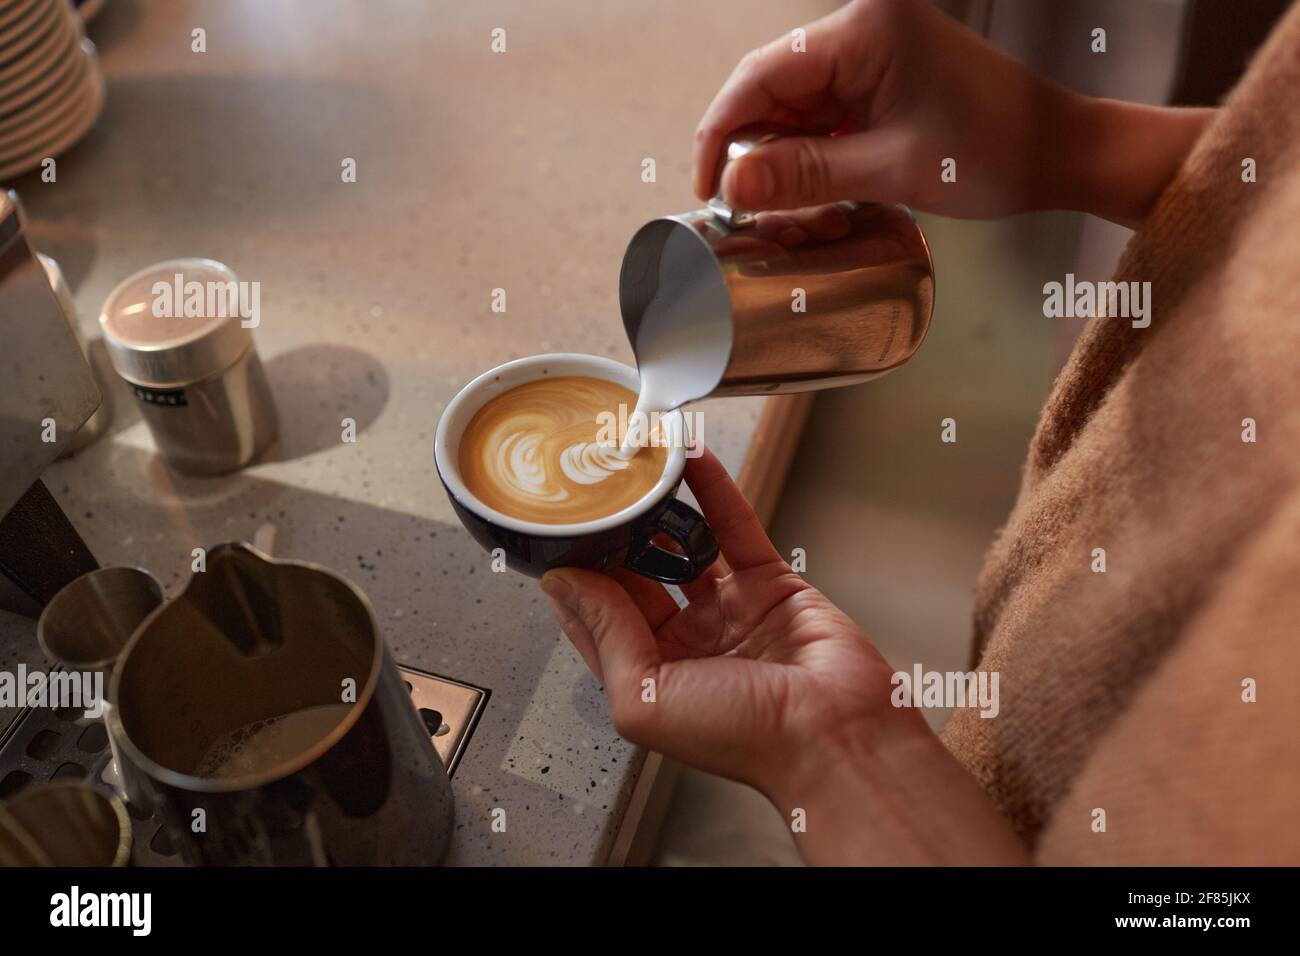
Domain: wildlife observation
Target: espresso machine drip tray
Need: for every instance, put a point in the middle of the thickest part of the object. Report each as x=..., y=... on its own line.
x=44, y=744
x=449, y=709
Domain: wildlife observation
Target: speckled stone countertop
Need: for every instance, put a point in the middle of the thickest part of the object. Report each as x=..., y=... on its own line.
x=475, y=171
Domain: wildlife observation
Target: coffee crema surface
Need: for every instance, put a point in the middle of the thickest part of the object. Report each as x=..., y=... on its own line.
x=540, y=452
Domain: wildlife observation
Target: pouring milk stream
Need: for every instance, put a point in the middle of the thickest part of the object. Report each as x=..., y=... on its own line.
x=720, y=302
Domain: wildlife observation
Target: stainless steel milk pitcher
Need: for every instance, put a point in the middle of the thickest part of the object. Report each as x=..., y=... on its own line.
x=779, y=302
x=248, y=648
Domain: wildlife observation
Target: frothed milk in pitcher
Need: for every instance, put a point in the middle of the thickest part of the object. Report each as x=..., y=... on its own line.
x=264, y=745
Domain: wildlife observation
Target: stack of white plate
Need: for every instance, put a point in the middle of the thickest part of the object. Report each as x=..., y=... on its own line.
x=51, y=87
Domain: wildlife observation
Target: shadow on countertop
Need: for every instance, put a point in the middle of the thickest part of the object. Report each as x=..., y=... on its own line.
x=315, y=388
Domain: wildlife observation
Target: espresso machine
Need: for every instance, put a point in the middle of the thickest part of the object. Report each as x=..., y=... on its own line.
x=47, y=392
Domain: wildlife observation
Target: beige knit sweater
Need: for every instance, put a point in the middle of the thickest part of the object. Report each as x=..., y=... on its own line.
x=1123, y=691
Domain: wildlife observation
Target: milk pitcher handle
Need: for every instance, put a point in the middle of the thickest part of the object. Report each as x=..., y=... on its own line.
x=741, y=142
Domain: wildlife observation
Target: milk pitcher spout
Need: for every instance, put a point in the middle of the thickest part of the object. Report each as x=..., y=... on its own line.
x=743, y=303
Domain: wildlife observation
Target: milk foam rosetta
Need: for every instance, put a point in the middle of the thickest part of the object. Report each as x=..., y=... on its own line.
x=534, y=452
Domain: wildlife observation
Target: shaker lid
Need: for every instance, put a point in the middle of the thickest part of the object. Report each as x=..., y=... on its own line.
x=175, y=322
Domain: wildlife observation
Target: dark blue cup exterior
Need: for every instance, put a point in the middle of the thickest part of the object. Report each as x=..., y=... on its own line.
x=532, y=548
x=630, y=544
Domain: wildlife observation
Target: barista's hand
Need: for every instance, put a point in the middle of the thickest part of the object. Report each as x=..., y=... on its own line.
x=760, y=678
x=756, y=665
x=906, y=88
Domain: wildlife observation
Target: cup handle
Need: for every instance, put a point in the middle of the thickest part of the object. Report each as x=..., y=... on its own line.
x=688, y=528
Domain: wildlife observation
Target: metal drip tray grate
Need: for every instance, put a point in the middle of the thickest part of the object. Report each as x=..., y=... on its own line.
x=450, y=710
x=44, y=744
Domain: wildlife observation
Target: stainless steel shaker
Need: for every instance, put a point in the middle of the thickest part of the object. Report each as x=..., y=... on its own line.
x=778, y=302
x=247, y=642
x=173, y=331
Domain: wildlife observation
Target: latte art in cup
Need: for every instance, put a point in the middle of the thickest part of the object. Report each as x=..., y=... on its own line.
x=539, y=452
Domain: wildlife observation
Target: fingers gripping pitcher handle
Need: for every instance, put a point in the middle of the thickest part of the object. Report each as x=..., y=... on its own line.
x=687, y=527
x=741, y=142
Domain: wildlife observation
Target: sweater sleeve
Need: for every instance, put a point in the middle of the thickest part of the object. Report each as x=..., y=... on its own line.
x=1204, y=767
